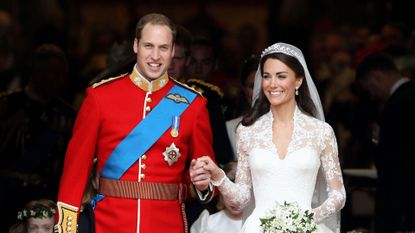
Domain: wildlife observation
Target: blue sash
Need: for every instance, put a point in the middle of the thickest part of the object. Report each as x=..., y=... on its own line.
x=147, y=132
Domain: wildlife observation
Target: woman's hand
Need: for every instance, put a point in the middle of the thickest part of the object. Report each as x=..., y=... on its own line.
x=210, y=166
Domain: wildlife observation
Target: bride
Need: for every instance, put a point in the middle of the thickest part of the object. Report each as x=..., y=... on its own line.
x=286, y=152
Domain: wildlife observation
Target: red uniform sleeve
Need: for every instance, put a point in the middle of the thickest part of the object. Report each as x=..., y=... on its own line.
x=79, y=157
x=201, y=141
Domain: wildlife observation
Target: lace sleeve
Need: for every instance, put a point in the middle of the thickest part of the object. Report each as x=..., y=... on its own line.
x=333, y=175
x=239, y=192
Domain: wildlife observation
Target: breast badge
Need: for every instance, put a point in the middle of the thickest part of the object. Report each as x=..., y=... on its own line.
x=171, y=154
x=177, y=98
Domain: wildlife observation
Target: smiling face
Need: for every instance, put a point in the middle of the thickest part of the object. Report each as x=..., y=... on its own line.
x=279, y=83
x=232, y=208
x=154, y=50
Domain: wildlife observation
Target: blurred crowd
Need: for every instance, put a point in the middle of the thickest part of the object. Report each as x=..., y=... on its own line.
x=42, y=83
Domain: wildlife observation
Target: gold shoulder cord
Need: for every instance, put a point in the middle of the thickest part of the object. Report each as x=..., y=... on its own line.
x=187, y=87
x=99, y=83
x=209, y=86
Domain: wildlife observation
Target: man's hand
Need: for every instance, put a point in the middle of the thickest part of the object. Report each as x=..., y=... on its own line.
x=198, y=175
x=216, y=173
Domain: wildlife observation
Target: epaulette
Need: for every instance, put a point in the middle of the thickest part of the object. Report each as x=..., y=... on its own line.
x=99, y=83
x=210, y=86
x=186, y=86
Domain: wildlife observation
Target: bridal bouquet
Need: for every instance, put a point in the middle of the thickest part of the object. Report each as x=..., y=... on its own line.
x=288, y=218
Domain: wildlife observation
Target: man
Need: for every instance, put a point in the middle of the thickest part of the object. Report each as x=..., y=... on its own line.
x=395, y=151
x=35, y=127
x=202, y=65
x=177, y=68
x=144, y=128
x=247, y=79
x=203, y=60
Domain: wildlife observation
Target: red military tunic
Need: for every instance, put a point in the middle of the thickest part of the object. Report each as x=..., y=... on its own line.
x=109, y=112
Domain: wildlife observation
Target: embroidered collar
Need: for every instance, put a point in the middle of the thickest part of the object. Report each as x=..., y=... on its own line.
x=397, y=84
x=146, y=85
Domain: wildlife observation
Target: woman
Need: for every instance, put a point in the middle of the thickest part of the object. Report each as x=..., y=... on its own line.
x=286, y=151
x=38, y=216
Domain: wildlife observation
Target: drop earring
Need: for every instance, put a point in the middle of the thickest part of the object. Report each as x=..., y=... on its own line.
x=296, y=91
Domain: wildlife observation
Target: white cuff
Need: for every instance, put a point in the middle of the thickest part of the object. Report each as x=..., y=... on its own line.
x=204, y=197
x=218, y=182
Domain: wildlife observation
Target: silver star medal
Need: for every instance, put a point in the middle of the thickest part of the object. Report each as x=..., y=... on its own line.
x=171, y=154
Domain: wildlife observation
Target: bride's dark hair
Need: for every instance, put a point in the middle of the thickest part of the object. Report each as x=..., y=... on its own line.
x=262, y=104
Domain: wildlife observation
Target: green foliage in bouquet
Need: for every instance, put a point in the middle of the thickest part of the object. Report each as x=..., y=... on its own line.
x=288, y=218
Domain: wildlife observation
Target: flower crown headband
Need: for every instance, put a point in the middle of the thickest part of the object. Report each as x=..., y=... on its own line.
x=39, y=211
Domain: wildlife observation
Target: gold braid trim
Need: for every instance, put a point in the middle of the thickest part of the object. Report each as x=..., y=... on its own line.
x=187, y=86
x=68, y=218
x=107, y=80
x=208, y=85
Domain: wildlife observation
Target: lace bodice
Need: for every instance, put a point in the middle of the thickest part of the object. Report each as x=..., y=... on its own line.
x=260, y=169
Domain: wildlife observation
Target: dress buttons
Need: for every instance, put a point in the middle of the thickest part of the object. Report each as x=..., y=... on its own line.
x=148, y=99
x=144, y=157
x=148, y=108
x=143, y=166
x=142, y=176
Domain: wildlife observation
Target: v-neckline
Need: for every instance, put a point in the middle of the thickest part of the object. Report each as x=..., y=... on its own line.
x=288, y=147
x=274, y=145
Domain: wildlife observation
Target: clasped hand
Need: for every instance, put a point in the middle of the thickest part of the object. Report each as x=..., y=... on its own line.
x=202, y=170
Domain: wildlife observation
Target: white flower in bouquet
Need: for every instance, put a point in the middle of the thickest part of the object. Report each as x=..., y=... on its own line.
x=288, y=218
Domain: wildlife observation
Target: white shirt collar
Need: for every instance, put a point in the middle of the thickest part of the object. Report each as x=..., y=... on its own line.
x=397, y=84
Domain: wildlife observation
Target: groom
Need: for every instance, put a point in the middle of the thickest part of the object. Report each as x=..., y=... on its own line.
x=143, y=127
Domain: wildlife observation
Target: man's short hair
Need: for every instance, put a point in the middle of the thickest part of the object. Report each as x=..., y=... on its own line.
x=155, y=19
x=375, y=62
x=44, y=53
x=250, y=64
x=208, y=43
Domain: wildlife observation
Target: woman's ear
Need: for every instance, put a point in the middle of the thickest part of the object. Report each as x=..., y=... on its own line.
x=298, y=82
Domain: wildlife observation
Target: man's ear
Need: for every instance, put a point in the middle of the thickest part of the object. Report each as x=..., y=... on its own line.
x=135, y=45
x=173, y=50
x=187, y=60
x=216, y=67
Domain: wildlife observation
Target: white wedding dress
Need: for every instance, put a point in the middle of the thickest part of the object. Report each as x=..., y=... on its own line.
x=292, y=179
